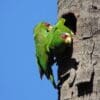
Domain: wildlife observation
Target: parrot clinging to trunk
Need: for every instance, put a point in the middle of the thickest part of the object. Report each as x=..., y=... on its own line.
x=44, y=58
x=59, y=36
x=47, y=41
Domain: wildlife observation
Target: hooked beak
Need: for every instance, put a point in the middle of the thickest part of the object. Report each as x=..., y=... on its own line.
x=68, y=38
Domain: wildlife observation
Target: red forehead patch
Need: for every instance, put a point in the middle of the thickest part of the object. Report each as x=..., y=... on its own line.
x=47, y=24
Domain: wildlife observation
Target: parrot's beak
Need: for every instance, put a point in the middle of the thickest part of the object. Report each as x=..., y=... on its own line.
x=68, y=38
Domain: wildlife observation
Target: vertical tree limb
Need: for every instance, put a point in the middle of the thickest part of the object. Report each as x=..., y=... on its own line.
x=79, y=71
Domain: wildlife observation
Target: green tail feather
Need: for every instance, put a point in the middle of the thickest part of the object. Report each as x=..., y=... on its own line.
x=52, y=81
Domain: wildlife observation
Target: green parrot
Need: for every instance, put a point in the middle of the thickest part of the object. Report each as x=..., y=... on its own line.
x=44, y=58
x=50, y=40
x=59, y=37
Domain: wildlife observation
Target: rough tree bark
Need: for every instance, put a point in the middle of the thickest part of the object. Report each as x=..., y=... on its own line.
x=80, y=76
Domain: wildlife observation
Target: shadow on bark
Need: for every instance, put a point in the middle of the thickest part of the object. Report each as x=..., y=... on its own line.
x=85, y=88
x=65, y=63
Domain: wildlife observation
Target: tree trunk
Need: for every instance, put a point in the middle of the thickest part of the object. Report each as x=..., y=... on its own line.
x=80, y=76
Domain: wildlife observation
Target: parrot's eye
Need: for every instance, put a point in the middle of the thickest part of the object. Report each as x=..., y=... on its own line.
x=47, y=24
x=64, y=36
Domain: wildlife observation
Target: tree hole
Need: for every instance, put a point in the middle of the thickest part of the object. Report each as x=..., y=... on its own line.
x=71, y=21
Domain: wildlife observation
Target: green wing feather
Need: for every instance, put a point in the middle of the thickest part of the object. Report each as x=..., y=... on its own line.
x=40, y=33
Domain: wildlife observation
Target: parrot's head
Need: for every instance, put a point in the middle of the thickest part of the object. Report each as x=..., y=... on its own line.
x=42, y=26
x=48, y=26
x=67, y=38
